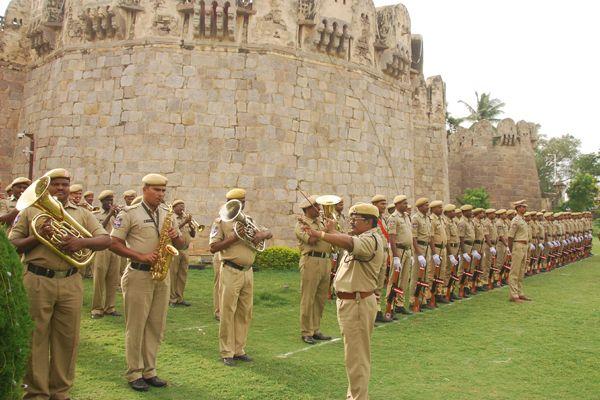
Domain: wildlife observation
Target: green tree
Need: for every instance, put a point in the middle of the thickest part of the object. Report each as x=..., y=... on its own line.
x=564, y=150
x=486, y=108
x=587, y=164
x=477, y=197
x=15, y=322
x=452, y=123
x=582, y=192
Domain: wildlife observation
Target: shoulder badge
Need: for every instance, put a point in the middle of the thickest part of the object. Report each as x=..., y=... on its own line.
x=214, y=230
x=118, y=222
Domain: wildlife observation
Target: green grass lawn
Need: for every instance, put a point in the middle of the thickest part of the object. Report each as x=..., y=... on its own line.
x=482, y=348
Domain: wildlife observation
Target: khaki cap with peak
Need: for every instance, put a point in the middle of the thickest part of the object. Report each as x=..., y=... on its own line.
x=129, y=192
x=490, y=211
x=76, y=188
x=511, y=212
x=377, y=197
x=20, y=179
x=236, y=194
x=312, y=200
x=364, y=209
x=105, y=193
x=539, y=214
x=399, y=198
x=436, y=203
x=449, y=207
x=177, y=201
x=58, y=173
x=466, y=207
x=154, y=180
x=87, y=193
x=421, y=201
x=501, y=211
x=477, y=210
x=520, y=203
x=548, y=214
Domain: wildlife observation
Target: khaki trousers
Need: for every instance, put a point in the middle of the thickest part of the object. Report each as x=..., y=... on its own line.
x=426, y=252
x=179, y=272
x=431, y=271
x=405, y=256
x=356, y=320
x=517, y=272
x=145, y=302
x=236, y=310
x=217, y=284
x=486, y=262
x=106, y=281
x=500, y=255
x=55, y=307
x=314, y=287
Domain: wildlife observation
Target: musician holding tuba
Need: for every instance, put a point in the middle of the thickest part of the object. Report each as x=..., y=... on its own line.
x=180, y=264
x=145, y=233
x=55, y=237
x=236, y=238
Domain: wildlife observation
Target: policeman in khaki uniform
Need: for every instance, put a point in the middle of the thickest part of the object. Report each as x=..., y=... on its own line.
x=518, y=244
x=380, y=202
x=355, y=285
x=315, y=269
x=76, y=193
x=502, y=241
x=181, y=262
x=237, y=284
x=8, y=212
x=135, y=235
x=422, y=235
x=439, y=253
x=466, y=233
x=400, y=230
x=106, y=264
x=489, y=246
x=477, y=252
x=55, y=293
x=453, y=250
x=342, y=219
x=128, y=196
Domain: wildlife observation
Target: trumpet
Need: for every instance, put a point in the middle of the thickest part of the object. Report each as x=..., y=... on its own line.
x=194, y=224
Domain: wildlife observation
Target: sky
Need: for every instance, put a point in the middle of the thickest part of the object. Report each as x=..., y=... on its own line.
x=537, y=56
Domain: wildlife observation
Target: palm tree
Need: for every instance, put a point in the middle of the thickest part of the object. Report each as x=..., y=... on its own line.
x=487, y=109
x=452, y=123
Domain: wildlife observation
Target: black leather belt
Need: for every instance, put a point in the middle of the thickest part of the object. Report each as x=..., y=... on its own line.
x=50, y=273
x=317, y=254
x=140, y=266
x=468, y=242
x=440, y=246
x=478, y=241
x=402, y=246
x=453, y=244
x=422, y=243
x=235, y=266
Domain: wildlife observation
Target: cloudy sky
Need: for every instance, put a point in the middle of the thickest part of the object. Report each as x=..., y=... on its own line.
x=538, y=56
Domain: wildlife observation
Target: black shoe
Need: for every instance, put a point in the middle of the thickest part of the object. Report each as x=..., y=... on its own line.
x=243, y=357
x=427, y=307
x=308, y=339
x=98, y=316
x=184, y=303
x=228, y=361
x=382, y=318
x=441, y=299
x=155, y=381
x=482, y=288
x=113, y=314
x=139, y=385
x=398, y=309
x=454, y=297
x=404, y=311
x=320, y=336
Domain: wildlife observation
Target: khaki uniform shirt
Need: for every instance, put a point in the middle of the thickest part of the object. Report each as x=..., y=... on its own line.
x=478, y=226
x=239, y=252
x=343, y=223
x=466, y=229
x=320, y=246
x=438, y=231
x=421, y=227
x=40, y=254
x=491, y=230
x=518, y=229
x=359, y=269
x=451, y=230
x=399, y=224
x=101, y=216
x=501, y=228
x=138, y=229
x=185, y=231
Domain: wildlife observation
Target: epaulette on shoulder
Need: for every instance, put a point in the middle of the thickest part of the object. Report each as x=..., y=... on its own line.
x=131, y=207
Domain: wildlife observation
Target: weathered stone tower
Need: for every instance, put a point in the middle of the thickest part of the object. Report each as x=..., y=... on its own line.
x=499, y=159
x=327, y=96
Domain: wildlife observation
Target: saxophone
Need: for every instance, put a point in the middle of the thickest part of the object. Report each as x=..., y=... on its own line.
x=166, y=250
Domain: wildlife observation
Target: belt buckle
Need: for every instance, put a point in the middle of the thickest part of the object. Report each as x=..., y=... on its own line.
x=357, y=297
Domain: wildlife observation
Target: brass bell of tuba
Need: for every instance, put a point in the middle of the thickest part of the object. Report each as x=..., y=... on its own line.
x=63, y=224
x=328, y=203
x=243, y=227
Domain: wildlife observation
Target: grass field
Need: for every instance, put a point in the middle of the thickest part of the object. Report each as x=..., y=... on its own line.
x=482, y=348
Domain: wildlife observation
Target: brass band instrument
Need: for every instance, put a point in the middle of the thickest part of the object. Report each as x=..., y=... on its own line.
x=166, y=251
x=243, y=227
x=197, y=226
x=62, y=223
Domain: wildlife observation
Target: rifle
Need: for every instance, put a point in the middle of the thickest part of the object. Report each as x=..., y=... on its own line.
x=505, y=270
x=394, y=290
x=493, y=270
x=434, y=284
x=476, y=273
x=421, y=285
x=466, y=275
x=453, y=279
x=334, y=265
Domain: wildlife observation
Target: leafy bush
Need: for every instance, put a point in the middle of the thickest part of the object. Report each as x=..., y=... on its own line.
x=278, y=258
x=15, y=323
x=477, y=197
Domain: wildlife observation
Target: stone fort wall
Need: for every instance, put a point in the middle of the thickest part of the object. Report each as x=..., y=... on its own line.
x=501, y=159
x=274, y=96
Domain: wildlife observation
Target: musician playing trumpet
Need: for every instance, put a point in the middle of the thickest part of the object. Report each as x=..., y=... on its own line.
x=237, y=244
x=54, y=288
x=180, y=263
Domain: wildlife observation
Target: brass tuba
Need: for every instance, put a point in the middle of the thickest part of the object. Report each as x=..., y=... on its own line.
x=63, y=224
x=166, y=251
x=328, y=203
x=243, y=227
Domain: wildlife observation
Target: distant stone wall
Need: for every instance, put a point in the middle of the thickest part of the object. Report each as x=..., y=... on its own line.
x=11, y=96
x=499, y=159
